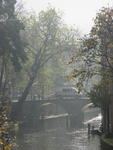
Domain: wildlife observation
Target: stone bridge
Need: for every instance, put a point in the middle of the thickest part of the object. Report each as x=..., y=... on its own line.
x=73, y=107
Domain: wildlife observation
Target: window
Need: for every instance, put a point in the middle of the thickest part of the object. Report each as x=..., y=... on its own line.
x=65, y=90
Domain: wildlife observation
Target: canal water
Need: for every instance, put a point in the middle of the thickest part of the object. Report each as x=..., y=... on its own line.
x=56, y=135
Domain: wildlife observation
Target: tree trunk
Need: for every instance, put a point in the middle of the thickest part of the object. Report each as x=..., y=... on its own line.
x=15, y=112
x=108, y=119
x=1, y=77
x=104, y=120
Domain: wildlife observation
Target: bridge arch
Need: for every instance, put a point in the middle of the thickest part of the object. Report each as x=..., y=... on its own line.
x=86, y=106
x=42, y=109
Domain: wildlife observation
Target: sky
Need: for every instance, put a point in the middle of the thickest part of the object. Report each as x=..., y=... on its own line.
x=76, y=12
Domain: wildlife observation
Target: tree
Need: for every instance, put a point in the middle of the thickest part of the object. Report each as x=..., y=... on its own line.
x=95, y=52
x=12, y=55
x=12, y=48
x=95, y=58
x=47, y=35
x=101, y=97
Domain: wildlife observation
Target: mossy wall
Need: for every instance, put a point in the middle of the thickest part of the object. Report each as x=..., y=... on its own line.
x=104, y=144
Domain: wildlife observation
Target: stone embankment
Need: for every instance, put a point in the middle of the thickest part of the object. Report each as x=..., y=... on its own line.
x=106, y=141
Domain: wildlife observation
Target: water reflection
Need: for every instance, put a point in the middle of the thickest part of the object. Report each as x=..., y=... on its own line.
x=56, y=136
x=94, y=120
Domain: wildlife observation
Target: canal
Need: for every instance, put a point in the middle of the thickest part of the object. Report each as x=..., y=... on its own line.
x=55, y=135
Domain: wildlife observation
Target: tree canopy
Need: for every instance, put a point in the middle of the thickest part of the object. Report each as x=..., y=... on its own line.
x=100, y=96
x=95, y=52
x=12, y=48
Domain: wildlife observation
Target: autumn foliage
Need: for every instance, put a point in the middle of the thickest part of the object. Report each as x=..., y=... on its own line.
x=94, y=55
x=4, y=123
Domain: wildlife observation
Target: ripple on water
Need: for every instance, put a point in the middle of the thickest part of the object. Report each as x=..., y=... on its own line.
x=59, y=138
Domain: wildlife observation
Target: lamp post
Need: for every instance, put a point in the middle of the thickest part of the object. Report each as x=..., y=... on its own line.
x=9, y=91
